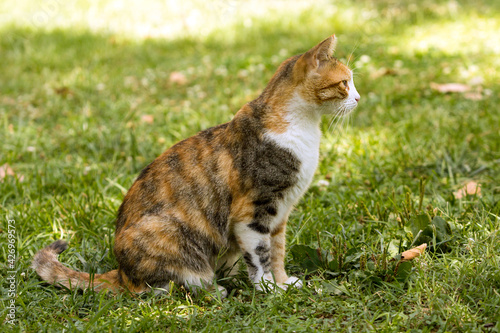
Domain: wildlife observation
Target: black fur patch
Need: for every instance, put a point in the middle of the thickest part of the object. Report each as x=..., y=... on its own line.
x=264, y=253
x=269, y=169
x=148, y=186
x=145, y=171
x=260, y=228
x=154, y=209
x=173, y=161
x=252, y=269
x=59, y=246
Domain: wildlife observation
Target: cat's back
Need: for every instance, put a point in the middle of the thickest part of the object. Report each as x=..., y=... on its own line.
x=207, y=176
x=191, y=178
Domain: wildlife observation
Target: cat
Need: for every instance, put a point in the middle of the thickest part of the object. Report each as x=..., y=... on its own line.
x=226, y=192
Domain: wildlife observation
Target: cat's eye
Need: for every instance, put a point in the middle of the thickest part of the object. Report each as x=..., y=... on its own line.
x=344, y=82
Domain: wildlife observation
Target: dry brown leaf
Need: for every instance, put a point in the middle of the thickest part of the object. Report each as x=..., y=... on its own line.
x=6, y=170
x=413, y=253
x=450, y=87
x=471, y=188
x=64, y=91
x=383, y=72
x=177, y=77
x=147, y=118
x=474, y=95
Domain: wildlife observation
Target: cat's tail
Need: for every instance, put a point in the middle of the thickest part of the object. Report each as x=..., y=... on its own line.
x=51, y=270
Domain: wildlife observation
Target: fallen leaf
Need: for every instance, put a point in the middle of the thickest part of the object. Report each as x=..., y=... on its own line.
x=177, y=77
x=383, y=72
x=413, y=253
x=147, y=118
x=450, y=87
x=474, y=95
x=6, y=170
x=64, y=91
x=471, y=188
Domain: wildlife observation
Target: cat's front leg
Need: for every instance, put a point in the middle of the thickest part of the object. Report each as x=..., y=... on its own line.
x=278, y=258
x=255, y=244
x=264, y=263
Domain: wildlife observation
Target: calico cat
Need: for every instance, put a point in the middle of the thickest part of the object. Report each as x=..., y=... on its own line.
x=224, y=192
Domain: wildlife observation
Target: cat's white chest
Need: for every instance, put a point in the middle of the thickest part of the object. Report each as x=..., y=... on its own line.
x=302, y=139
x=305, y=147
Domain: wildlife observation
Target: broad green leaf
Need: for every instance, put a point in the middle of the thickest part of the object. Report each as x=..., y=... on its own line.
x=404, y=271
x=307, y=257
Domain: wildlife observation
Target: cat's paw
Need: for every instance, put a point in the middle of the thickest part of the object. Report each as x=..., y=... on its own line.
x=294, y=282
x=222, y=291
x=272, y=286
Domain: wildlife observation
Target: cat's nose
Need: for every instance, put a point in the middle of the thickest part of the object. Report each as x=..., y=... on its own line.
x=357, y=98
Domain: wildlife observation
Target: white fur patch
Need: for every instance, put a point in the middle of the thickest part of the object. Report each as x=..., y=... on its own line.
x=352, y=99
x=302, y=138
x=294, y=281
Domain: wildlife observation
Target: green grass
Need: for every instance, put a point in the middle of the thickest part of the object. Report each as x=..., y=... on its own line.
x=73, y=96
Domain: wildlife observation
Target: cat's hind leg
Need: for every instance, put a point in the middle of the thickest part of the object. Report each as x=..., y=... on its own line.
x=228, y=262
x=197, y=283
x=159, y=249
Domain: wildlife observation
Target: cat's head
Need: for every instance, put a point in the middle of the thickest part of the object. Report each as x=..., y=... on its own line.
x=323, y=80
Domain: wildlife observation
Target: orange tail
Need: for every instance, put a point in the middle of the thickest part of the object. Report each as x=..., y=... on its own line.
x=51, y=270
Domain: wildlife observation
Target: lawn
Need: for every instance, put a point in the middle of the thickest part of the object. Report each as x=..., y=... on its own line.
x=91, y=92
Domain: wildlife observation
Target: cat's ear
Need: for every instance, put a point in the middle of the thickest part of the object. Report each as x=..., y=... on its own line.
x=321, y=53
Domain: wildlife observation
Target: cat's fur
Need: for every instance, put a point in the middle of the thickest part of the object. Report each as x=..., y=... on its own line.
x=226, y=191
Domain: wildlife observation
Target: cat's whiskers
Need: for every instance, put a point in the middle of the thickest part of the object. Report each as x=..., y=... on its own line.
x=342, y=125
x=339, y=116
x=342, y=118
x=334, y=118
x=352, y=52
x=336, y=124
x=330, y=122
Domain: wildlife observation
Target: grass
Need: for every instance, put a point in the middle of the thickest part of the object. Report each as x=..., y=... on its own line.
x=85, y=106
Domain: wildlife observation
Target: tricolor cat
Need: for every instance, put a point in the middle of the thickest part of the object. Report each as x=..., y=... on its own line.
x=226, y=192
